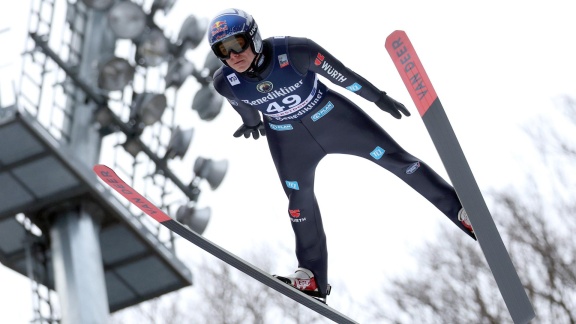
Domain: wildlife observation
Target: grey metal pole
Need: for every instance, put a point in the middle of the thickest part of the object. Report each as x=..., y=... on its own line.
x=78, y=270
x=77, y=258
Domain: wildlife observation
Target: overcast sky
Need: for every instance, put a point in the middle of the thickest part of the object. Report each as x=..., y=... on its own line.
x=495, y=65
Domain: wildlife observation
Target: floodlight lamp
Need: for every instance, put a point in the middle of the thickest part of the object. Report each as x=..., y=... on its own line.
x=211, y=171
x=148, y=107
x=212, y=63
x=152, y=48
x=114, y=74
x=178, y=72
x=179, y=143
x=207, y=102
x=132, y=146
x=164, y=5
x=191, y=33
x=104, y=118
x=98, y=4
x=196, y=219
x=127, y=19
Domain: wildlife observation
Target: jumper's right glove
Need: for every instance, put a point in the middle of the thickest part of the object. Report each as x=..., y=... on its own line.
x=255, y=131
x=391, y=106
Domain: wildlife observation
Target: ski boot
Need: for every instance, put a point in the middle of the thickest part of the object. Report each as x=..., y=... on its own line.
x=303, y=280
x=463, y=218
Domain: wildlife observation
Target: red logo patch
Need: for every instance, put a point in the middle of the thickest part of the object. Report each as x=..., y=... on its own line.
x=294, y=213
x=319, y=59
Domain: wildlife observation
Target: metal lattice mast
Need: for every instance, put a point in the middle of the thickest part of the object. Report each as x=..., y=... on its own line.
x=65, y=120
x=39, y=270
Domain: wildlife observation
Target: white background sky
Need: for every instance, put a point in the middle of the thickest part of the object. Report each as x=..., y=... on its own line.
x=494, y=65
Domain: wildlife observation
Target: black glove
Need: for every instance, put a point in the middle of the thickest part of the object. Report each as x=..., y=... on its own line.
x=251, y=130
x=391, y=106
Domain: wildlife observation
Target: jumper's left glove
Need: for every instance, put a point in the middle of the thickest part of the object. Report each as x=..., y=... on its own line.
x=391, y=106
x=255, y=131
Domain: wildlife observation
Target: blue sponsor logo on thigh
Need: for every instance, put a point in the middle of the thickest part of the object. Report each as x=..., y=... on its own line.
x=292, y=185
x=378, y=153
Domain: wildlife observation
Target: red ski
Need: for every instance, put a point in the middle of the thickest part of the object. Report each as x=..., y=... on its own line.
x=426, y=100
x=114, y=181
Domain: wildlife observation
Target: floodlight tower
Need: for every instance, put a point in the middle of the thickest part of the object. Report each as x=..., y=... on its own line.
x=101, y=87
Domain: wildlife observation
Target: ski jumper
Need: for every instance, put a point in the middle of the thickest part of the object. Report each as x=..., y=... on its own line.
x=305, y=121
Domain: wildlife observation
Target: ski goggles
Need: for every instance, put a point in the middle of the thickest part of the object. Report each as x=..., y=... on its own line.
x=234, y=44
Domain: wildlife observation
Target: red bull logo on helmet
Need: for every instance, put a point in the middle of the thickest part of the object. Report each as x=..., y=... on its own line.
x=219, y=27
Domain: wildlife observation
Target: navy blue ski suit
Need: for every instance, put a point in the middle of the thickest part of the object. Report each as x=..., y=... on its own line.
x=305, y=121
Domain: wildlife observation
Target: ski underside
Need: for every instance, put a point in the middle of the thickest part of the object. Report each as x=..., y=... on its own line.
x=115, y=182
x=436, y=121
